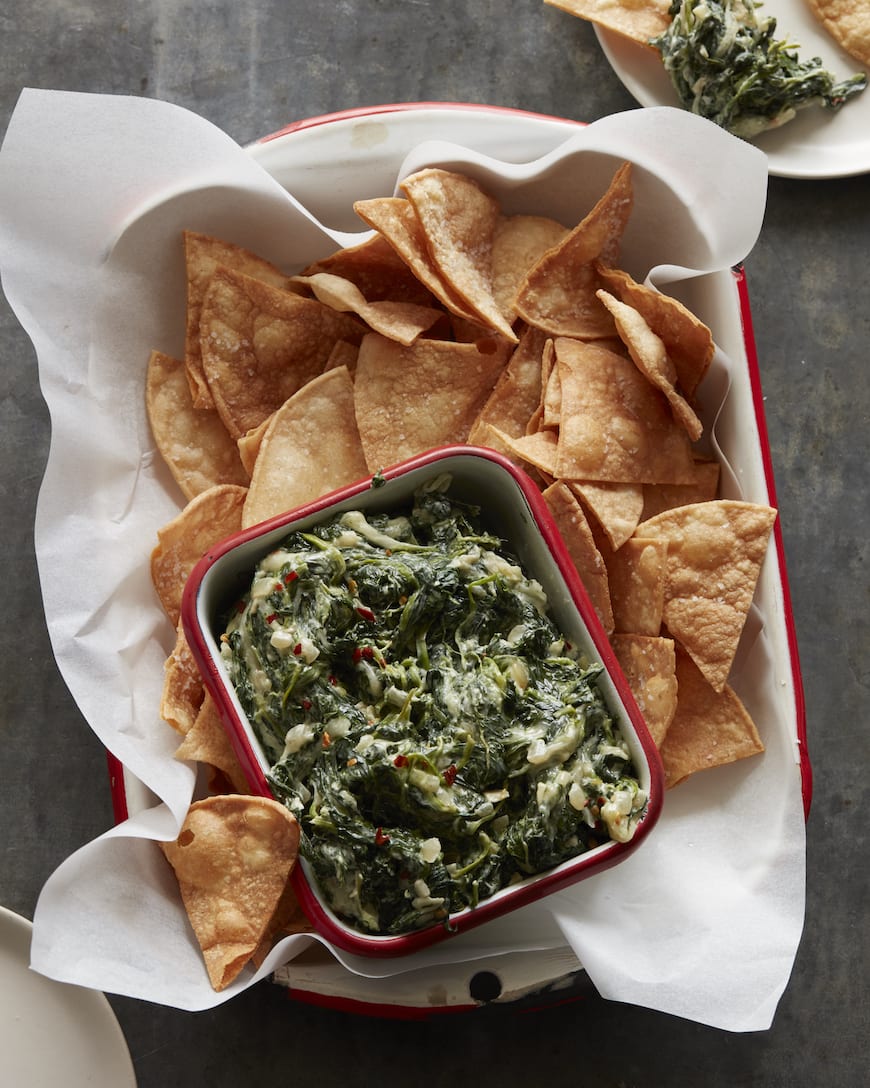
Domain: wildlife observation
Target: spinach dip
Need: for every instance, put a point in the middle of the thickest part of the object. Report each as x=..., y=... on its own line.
x=435, y=735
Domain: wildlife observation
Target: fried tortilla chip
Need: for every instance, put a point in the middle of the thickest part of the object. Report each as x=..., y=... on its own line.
x=193, y=442
x=183, y=691
x=848, y=23
x=518, y=244
x=709, y=729
x=459, y=221
x=715, y=552
x=649, y=664
x=660, y=497
x=637, y=574
x=616, y=507
x=211, y=516
x=537, y=449
x=558, y=293
x=411, y=399
x=311, y=447
x=400, y=321
x=232, y=860
x=638, y=20
x=207, y=742
x=650, y=356
x=516, y=395
x=261, y=344
x=688, y=341
x=575, y=532
x=615, y=426
x=377, y=270
x=203, y=255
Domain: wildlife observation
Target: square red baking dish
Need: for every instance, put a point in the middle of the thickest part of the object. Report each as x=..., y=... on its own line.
x=352, y=837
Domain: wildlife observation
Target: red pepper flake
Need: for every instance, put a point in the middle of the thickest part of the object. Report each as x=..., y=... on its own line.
x=297, y=649
x=306, y=704
x=332, y=679
x=326, y=740
x=272, y=618
x=362, y=653
x=290, y=576
x=352, y=762
x=381, y=838
x=366, y=613
x=450, y=774
x=400, y=761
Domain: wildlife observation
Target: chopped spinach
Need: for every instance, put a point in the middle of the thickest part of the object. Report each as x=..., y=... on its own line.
x=432, y=730
x=726, y=65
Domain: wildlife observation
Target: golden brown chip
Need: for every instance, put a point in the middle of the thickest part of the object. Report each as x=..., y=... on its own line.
x=207, y=742
x=848, y=23
x=210, y=517
x=519, y=242
x=193, y=442
x=183, y=692
x=517, y=392
x=310, y=447
x=616, y=507
x=401, y=321
x=232, y=860
x=260, y=344
x=660, y=497
x=709, y=729
x=397, y=223
x=203, y=255
x=650, y=356
x=637, y=573
x=558, y=293
x=688, y=341
x=577, y=536
x=638, y=20
x=377, y=270
x=411, y=399
x=537, y=449
x=459, y=221
x=649, y=665
x=715, y=552
x=615, y=426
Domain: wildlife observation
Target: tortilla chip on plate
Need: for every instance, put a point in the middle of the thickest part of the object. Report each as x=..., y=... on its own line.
x=518, y=243
x=638, y=574
x=616, y=507
x=517, y=392
x=232, y=859
x=639, y=20
x=649, y=665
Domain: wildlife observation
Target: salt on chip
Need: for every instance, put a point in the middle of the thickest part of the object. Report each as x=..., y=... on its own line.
x=558, y=292
x=688, y=341
x=193, y=442
x=211, y=516
x=459, y=220
x=207, y=742
x=260, y=344
x=639, y=20
x=577, y=537
x=615, y=426
x=310, y=447
x=637, y=572
x=715, y=552
x=412, y=399
x=649, y=665
x=232, y=859
x=650, y=356
x=616, y=507
x=203, y=255
x=709, y=729
x=401, y=321
x=183, y=691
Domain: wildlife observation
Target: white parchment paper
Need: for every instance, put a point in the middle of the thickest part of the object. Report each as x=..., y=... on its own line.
x=704, y=920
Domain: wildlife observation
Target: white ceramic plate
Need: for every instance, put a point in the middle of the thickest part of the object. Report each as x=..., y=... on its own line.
x=52, y=1033
x=817, y=143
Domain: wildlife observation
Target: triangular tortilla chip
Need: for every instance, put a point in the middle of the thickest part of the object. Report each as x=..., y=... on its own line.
x=518, y=244
x=575, y=532
x=638, y=574
x=183, y=690
x=210, y=517
x=203, y=255
x=517, y=392
x=377, y=270
x=260, y=344
x=411, y=399
x=558, y=293
x=649, y=665
x=660, y=497
x=709, y=728
x=639, y=20
x=310, y=447
x=232, y=860
x=616, y=507
x=193, y=442
x=715, y=552
x=207, y=742
x=459, y=221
